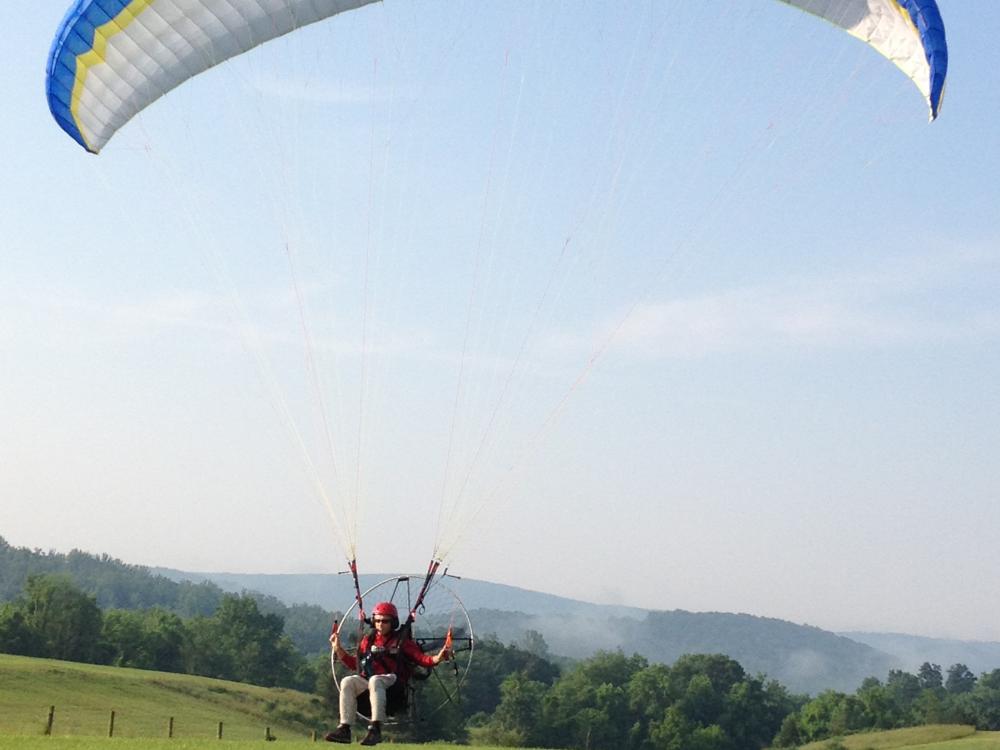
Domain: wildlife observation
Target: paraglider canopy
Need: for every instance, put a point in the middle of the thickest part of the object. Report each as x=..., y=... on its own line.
x=112, y=58
x=908, y=32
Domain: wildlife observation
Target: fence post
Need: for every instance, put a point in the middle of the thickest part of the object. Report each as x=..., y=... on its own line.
x=111, y=724
x=220, y=730
x=170, y=728
x=267, y=734
x=48, y=722
x=314, y=735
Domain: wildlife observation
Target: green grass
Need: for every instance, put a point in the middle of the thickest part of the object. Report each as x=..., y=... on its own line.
x=143, y=701
x=935, y=737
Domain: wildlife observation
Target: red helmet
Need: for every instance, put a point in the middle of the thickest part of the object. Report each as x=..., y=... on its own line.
x=386, y=609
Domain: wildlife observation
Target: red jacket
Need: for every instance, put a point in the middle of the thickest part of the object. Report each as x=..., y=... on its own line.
x=384, y=654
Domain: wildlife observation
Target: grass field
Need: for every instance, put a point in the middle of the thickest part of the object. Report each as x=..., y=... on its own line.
x=143, y=701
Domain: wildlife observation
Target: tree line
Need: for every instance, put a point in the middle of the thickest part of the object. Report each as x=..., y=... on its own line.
x=116, y=585
x=54, y=619
x=932, y=696
x=708, y=702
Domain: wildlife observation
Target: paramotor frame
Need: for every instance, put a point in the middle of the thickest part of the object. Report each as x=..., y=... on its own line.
x=441, y=615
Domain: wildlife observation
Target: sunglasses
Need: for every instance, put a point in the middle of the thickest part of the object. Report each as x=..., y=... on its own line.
x=377, y=620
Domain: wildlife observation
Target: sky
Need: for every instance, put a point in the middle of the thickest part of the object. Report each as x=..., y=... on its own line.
x=676, y=306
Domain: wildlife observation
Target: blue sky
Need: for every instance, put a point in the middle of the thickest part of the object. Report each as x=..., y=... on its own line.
x=678, y=307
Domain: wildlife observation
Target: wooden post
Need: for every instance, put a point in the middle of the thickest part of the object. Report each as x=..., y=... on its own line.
x=220, y=730
x=111, y=724
x=314, y=735
x=48, y=722
x=170, y=728
x=267, y=734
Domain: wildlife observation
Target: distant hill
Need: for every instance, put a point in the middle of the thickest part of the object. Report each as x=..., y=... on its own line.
x=336, y=592
x=803, y=658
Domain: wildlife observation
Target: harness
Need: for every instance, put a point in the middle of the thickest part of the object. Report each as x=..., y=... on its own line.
x=387, y=657
x=391, y=659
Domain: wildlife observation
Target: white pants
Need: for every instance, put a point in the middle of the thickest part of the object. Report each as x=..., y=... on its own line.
x=354, y=685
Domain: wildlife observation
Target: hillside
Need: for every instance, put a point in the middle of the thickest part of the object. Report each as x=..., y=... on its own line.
x=804, y=659
x=144, y=701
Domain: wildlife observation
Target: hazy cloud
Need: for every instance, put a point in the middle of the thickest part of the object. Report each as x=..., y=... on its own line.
x=891, y=303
